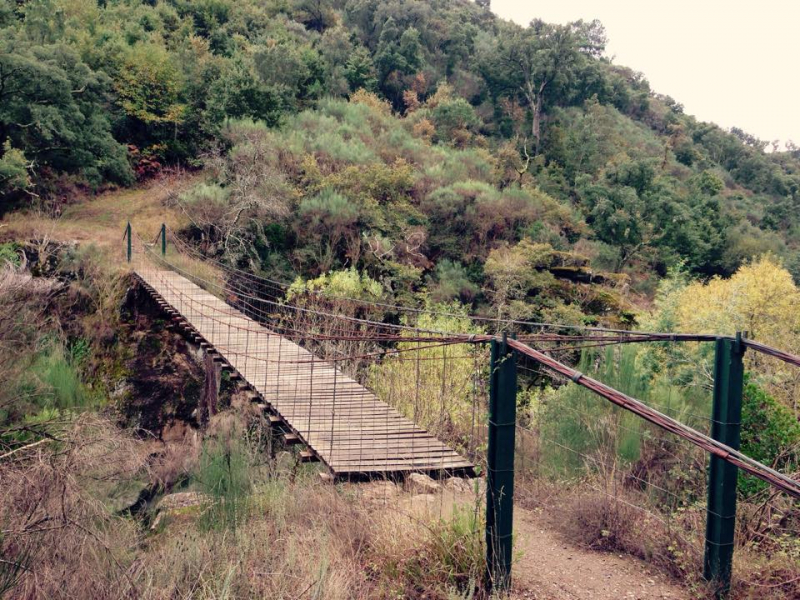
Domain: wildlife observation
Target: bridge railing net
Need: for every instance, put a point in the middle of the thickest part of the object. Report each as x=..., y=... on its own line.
x=327, y=359
x=625, y=484
x=612, y=481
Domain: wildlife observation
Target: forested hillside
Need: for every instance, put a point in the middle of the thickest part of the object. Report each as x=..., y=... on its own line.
x=464, y=135
x=414, y=165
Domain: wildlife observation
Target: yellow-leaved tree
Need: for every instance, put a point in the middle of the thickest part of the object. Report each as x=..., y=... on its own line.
x=761, y=299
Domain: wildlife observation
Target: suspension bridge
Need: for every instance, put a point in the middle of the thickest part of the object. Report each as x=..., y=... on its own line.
x=304, y=365
x=343, y=424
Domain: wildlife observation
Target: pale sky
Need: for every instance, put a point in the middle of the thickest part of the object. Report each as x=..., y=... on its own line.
x=734, y=63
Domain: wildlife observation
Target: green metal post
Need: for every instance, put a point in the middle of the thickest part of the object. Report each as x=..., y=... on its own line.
x=722, y=476
x=163, y=239
x=129, y=236
x=500, y=464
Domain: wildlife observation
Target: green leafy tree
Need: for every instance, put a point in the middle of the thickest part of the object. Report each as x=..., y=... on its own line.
x=399, y=54
x=317, y=15
x=13, y=171
x=53, y=109
x=538, y=64
x=360, y=70
x=454, y=120
x=770, y=434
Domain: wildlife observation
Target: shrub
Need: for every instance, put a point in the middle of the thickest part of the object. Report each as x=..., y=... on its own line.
x=770, y=434
x=450, y=281
x=455, y=121
x=438, y=387
x=9, y=255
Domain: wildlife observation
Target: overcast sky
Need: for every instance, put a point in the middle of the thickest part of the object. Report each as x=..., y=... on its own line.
x=734, y=63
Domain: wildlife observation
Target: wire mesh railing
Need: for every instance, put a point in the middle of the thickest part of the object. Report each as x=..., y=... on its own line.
x=646, y=459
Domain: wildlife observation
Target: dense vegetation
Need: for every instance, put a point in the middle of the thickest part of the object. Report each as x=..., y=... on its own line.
x=99, y=93
x=423, y=153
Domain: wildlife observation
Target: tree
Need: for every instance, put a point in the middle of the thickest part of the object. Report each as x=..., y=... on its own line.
x=317, y=15
x=13, y=171
x=454, y=120
x=398, y=55
x=149, y=89
x=514, y=271
x=53, y=109
x=625, y=209
x=537, y=63
x=761, y=299
x=591, y=36
x=360, y=71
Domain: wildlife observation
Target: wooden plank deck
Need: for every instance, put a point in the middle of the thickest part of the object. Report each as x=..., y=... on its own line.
x=344, y=424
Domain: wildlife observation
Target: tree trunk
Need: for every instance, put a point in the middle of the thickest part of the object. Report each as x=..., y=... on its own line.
x=536, y=127
x=535, y=100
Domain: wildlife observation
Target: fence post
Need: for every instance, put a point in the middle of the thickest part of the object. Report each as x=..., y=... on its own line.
x=129, y=236
x=500, y=464
x=163, y=239
x=726, y=419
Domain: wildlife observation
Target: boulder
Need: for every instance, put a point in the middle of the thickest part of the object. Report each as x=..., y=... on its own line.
x=417, y=483
x=459, y=485
x=181, y=500
x=177, y=504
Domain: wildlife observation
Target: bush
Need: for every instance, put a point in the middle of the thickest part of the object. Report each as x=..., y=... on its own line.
x=438, y=387
x=770, y=435
x=9, y=255
x=450, y=281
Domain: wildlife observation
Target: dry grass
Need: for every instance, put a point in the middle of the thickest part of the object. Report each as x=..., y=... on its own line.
x=295, y=538
x=616, y=522
x=55, y=525
x=101, y=219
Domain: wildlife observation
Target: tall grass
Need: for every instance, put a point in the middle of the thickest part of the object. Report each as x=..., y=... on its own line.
x=576, y=418
x=224, y=476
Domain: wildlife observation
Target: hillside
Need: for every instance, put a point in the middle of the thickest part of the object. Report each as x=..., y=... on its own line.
x=390, y=165
x=530, y=133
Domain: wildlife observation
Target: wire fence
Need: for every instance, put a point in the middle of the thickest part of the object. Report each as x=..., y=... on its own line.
x=378, y=389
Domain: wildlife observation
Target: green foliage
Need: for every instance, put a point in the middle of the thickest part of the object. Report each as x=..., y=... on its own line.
x=50, y=384
x=436, y=386
x=14, y=174
x=148, y=86
x=9, y=253
x=205, y=193
x=770, y=435
x=43, y=117
x=454, y=119
x=450, y=281
x=360, y=71
x=338, y=284
x=582, y=433
x=223, y=474
x=596, y=434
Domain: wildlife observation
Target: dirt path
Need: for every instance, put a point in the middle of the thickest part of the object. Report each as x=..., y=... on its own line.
x=101, y=219
x=546, y=567
x=552, y=569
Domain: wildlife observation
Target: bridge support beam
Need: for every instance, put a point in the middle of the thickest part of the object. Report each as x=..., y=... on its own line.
x=500, y=465
x=726, y=420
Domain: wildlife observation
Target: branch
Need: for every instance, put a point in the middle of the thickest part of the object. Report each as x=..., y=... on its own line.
x=7, y=454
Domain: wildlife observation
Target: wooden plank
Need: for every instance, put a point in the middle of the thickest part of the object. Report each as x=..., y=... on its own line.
x=347, y=427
